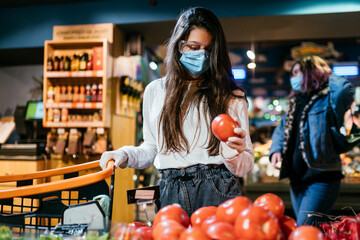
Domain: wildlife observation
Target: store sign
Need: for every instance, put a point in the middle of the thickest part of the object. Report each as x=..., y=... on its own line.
x=84, y=32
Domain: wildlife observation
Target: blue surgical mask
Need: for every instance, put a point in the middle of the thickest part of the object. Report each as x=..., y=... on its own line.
x=295, y=82
x=196, y=62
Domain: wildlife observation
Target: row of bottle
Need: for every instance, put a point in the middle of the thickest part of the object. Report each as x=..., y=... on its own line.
x=65, y=63
x=69, y=93
x=62, y=115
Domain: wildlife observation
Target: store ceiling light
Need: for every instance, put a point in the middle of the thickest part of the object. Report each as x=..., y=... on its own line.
x=153, y=65
x=250, y=54
x=346, y=70
x=251, y=65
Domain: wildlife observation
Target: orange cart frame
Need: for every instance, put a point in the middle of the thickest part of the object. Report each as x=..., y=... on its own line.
x=40, y=206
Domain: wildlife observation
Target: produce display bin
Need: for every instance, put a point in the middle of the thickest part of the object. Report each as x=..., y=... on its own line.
x=39, y=207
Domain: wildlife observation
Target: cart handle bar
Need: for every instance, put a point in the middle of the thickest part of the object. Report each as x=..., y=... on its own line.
x=49, y=173
x=60, y=184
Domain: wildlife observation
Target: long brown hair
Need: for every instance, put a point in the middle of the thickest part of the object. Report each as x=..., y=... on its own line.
x=215, y=89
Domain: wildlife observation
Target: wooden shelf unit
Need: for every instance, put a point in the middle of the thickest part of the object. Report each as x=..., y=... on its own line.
x=78, y=78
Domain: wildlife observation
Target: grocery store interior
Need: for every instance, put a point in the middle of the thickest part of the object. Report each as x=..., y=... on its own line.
x=72, y=75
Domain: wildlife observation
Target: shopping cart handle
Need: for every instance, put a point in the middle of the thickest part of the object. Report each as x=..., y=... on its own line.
x=60, y=184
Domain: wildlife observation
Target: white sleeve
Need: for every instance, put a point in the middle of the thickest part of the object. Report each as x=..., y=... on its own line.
x=143, y=156
x=239, y=163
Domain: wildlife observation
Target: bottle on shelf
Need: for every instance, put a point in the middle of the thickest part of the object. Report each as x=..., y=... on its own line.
x=50, y=94
x=56, y=63
x=67, y=62
x=57, y=115
x=100, y=93
x=50, y=64
x=69, y=93
x=64, y=114
x=50, y=115
x=88, y=93
x=57, y=95
x=82, y=94
x=61, y=64
x=76, y=94
x=75, y=63
x=83, y=62
x=89, y=63
x=63, y=95
x=94, y=93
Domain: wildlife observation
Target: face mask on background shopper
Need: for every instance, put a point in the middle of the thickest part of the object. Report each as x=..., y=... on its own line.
x=295, y=82
x=196, y=62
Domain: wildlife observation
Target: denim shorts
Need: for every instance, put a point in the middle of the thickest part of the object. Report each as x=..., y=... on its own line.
x=198, y=186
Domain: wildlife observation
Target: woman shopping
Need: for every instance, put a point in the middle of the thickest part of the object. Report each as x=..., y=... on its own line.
x=196, y=168
x=302, y=142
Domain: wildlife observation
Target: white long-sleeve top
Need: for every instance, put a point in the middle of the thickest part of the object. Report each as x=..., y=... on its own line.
x=149, y=153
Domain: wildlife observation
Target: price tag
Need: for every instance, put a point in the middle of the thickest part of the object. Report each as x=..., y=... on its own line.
x=79, y=105
x=61, y=130
x=73, y=131
x=100, y=130
x=87, y=105
x=140, y=194
x=71, y=229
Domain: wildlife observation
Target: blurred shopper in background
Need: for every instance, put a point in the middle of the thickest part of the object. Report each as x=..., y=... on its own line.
x=197, y=169
x=302, y=142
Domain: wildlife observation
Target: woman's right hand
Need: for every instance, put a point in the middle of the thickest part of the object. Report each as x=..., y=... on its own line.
x=275, y=159
x=119, y=156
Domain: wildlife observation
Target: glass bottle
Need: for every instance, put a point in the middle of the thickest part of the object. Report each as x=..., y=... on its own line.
x=75, y=63
x=82, y=94
x=57, y=63
x=63, y=95
x=57, y=96
x=100, y=93
x=88, y=93
x=94, y=93
x=76, y=94
x=69, y=93
x=67, y=63
x=83, y=62
x=50, y=64
x=50, y=94
x=89, y=63
x=61, y=64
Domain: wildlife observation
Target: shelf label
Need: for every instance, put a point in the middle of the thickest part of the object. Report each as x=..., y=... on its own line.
x=87, y=105
x=146, y=193
x=61, y=130
x=100, y=130
x=99, y=105
x=73, y=131
x=79, y=105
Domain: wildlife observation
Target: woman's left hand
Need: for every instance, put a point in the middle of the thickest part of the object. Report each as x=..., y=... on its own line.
x=237, y=143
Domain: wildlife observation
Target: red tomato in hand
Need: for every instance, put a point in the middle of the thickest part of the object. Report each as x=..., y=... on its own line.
x=287, y=225
x=202, y=214
x=221, y=231
x=230, y=209
x=306, y=232
x=194, y=233
x=172, y=212
x=271, y=202
x=255, y=223
x=223, y=127
x=167, y=229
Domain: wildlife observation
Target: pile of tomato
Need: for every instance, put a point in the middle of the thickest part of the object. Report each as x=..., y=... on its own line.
x=236, y=219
